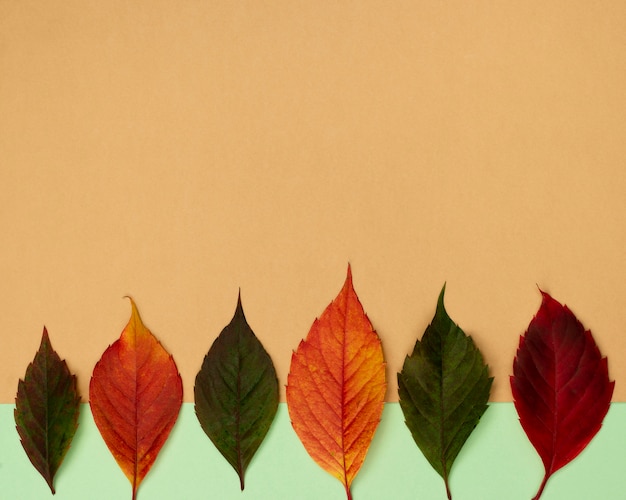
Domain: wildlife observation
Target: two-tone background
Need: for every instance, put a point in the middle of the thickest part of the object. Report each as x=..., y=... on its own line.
x=179, y=151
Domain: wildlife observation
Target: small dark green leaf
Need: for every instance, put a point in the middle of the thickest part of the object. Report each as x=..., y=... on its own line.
x=444, y=388
x=46, y=410
x=236, y=393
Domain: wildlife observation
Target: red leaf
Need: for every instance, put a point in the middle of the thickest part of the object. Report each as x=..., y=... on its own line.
x=135, y=395
x=560, y=386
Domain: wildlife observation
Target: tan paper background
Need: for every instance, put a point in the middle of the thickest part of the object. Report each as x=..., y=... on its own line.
x=176, y=151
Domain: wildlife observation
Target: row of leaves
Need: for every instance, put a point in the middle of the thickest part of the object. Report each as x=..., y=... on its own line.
x=335, y=392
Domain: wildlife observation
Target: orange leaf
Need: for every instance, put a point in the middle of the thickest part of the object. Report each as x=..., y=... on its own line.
x=135, y=395
x=336, y=387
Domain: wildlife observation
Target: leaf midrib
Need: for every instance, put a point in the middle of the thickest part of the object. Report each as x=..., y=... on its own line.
x=442, y=412
x=136, y=409
x=46, y=411
x=343, y=394
x=238, y=415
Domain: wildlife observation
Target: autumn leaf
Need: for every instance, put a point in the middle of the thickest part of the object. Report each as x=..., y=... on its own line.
x=46, y=410
x=135, y=396
x=236, y=393
x=560, y=385
x=336, y=387
x=444, y=388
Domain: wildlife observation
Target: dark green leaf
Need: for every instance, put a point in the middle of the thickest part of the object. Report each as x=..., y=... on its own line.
x=46, y=410
x=236, y=393
x=444, y=388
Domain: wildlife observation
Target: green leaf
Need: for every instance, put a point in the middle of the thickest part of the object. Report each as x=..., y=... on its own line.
x=236, y=393
x=46, y=410
x=444, y=388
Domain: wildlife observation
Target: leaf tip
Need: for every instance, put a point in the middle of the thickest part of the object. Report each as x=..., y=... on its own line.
x=546, y=297
x=134, y=313
x=45, y=340
x=440, y=305
x=239, y=309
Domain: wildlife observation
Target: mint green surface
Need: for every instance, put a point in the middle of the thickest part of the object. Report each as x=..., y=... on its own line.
x=497, y=463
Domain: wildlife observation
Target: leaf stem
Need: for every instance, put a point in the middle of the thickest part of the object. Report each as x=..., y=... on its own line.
x=543, y=485
x=348, y=493
x=447, y=488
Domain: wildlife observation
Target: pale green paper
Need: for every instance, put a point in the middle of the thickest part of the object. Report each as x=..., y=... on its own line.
x=497, y=463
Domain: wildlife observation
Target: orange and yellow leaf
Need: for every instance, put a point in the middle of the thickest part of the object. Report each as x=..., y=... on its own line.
x=135, y=395
x=336, y=387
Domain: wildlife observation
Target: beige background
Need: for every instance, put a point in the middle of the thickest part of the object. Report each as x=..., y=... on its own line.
x=176, y=151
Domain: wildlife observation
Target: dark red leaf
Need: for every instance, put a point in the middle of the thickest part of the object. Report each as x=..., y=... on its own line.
x=560, y=385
